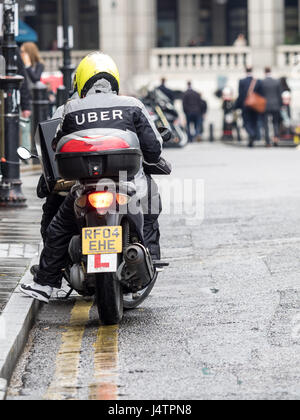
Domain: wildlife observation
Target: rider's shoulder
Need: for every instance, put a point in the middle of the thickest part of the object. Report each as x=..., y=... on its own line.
x=73, y=103
x=131, y=101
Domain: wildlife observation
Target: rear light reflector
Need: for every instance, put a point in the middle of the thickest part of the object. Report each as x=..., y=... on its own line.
x=122, y=199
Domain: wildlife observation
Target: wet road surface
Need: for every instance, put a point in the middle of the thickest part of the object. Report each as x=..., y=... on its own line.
x=223, y=321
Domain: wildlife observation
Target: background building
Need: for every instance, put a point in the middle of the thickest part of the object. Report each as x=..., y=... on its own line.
x=178, y=39
x=131, y=30
x=84, y=16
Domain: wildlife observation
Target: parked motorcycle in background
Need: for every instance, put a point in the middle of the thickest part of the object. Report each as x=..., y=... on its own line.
x=164, y=114
x=231, y=117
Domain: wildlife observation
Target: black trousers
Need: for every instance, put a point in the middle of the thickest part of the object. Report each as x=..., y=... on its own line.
x=275, y=117
x=59, y=230
x=251, y=124
x=50, y=209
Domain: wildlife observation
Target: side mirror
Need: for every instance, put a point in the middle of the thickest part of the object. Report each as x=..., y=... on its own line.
x=165, y=133
x=25, y=154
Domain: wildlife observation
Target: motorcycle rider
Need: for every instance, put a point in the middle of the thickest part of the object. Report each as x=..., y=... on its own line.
x=53, y=199
x=97, y=82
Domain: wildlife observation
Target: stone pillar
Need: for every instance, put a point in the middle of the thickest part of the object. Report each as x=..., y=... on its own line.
x=127, y=33
x=266, y=30
x=115, y=31
x=145, y=33
x=219, y=23
x=189, y=21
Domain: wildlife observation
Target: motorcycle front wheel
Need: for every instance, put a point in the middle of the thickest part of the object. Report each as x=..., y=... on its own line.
x=109, y=299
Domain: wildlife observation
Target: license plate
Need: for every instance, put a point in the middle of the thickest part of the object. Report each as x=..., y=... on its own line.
x=102, y=240
x=107, y=263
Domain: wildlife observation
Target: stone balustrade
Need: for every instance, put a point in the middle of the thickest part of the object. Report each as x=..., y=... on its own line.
x=200, y=58
x=288, y=56
x=185, y=60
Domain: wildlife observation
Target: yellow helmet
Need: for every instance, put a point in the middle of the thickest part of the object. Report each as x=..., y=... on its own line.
x=92, y=67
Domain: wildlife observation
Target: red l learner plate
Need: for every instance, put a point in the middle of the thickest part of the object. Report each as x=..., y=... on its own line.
x=102, y=240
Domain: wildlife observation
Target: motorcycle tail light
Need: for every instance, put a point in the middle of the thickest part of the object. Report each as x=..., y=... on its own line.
x=122, y=199
x=101, y=200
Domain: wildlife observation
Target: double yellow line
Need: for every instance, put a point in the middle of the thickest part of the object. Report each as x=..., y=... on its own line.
x=64, y=385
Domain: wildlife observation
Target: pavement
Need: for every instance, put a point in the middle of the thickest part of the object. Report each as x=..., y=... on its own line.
x=19, y=239
x=223, y=321
x=19, y=248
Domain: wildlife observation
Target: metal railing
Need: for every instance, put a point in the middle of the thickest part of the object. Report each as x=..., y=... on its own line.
x=202, y=58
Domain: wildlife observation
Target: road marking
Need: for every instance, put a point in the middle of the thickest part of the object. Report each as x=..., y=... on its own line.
x=104, y=385
x=65, y=380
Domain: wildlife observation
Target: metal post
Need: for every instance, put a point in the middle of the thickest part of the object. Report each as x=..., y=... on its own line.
x=211, y=133
x=62, y=95
x=68, y=67
x=11, y=186
x=40, y=105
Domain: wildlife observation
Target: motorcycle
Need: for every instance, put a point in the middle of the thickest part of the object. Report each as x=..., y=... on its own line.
x=107, y=258
x=289, y=129
x=231, y=117
x=164, y=114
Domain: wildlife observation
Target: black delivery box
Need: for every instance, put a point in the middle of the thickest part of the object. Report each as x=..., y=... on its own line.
x=44, y=136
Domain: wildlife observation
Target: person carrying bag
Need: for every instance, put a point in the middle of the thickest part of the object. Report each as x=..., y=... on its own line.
x=254, y=100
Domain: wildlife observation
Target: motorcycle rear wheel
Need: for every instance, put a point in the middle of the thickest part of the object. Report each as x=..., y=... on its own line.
x=109, y=299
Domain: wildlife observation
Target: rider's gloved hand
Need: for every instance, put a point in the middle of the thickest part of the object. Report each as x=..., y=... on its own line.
x=162, y=167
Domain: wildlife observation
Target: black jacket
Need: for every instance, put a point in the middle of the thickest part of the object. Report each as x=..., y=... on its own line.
x=35, y=72
x=193, y=104
x=244, y=89
x=112, y=112
x=272, y=91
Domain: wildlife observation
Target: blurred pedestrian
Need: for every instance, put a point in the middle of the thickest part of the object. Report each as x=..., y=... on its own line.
x=195, y=109
x=286, y=123
x=272, y=91
x=284, y=86
x=240, y=41
x=250, y=116
x=52, y=98
x=24, y=90
x=32, y=61
x=192, y=43
x=286, y=102
x=168, y=92
x=229, y=113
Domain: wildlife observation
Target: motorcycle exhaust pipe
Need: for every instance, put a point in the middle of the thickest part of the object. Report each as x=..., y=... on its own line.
x=139, y=270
